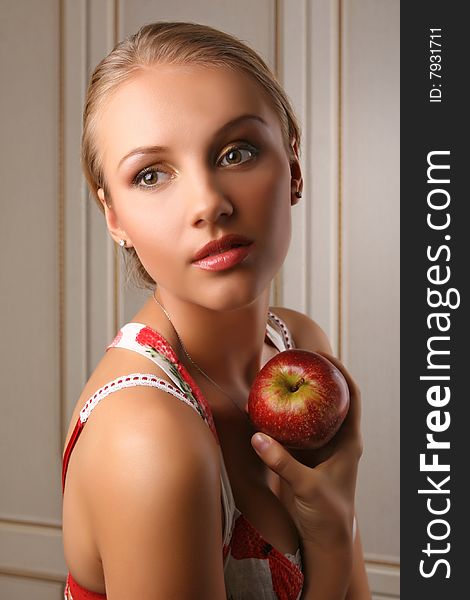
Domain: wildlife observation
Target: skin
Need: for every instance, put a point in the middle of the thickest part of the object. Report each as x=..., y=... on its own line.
x=197, y=191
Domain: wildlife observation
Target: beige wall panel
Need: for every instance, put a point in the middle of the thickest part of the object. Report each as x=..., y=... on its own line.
x=223, y=14
x=75, y=207
x=30, y=435
x=309, y=72
x=102, y=317
x=371, y=257
x=19, y=588
x=294, y=75
x=30, y=354
x=89, y=315
x=323, y=166
x=32, y=550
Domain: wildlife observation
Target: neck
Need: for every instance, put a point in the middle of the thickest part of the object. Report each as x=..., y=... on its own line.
x=227, y=345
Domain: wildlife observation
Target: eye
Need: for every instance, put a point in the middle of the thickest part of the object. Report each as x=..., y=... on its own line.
x=151, y=177
x=238, y=155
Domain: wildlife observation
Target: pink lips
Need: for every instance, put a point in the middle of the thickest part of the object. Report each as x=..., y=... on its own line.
x=223, y=253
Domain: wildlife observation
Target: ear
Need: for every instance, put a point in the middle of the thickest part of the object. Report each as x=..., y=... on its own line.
x=112, y=221
x=296, y=173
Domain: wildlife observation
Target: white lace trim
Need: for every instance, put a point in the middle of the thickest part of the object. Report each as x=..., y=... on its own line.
x=130, y=331
x=283, y=339
x=131, y=380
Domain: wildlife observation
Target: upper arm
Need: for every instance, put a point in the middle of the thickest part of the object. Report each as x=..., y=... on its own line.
x=156, y=507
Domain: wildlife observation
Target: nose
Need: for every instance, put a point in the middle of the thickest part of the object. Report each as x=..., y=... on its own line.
x=207, y=200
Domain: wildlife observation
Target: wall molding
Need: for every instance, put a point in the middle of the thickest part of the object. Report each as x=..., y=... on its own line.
x=384, y=580
x=40, y=525
x=31, y=550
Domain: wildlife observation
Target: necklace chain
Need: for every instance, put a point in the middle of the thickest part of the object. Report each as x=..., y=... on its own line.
x=194, y=362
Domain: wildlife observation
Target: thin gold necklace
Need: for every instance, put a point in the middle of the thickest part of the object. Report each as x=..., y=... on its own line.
x=244, y=412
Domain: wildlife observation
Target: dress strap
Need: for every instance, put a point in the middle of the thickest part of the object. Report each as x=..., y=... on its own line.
x=150, y=343
x=278, y=333
x=134, y=379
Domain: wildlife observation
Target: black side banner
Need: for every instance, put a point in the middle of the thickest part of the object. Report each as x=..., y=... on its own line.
x=434, y=309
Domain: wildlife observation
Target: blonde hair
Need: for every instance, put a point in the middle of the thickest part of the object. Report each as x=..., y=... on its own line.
x=172, y=43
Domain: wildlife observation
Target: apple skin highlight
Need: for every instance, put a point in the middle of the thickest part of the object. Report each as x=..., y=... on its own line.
x=299, y=398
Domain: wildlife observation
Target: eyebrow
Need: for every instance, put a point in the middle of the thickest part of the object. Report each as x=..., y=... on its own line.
x=143, y=150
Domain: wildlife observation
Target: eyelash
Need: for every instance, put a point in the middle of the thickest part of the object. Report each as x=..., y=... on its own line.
x=137, y=181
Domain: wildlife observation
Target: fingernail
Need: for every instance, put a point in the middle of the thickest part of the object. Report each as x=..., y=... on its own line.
x=261, y=441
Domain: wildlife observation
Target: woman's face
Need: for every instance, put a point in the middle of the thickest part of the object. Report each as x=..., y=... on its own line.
x=191, y=154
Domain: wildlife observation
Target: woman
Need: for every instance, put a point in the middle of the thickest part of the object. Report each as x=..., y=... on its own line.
x=191, y=149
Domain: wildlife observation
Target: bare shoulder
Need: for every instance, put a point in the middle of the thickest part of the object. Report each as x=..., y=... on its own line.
x=141, y=434
x=153, y=494
x=306, y=332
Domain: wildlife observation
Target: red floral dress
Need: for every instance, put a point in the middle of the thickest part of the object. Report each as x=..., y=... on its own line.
x=253, y=569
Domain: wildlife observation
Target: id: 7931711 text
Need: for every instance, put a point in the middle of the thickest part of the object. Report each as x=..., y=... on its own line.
x=435, y=65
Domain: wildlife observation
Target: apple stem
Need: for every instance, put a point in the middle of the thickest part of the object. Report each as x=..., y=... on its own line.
x=296, y=386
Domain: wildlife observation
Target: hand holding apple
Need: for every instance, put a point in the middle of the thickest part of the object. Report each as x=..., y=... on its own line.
x=322, y=503
x=299, y=398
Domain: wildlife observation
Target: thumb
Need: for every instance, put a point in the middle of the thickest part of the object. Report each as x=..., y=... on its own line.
x=278, y=459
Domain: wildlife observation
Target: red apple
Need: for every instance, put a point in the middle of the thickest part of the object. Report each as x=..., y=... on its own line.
x=299, y=398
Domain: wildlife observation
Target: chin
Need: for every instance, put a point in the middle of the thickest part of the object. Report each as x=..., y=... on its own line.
x=224, y=296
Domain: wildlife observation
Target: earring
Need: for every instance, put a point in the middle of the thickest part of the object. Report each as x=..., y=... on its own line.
x=122, y=243
x=298, y=194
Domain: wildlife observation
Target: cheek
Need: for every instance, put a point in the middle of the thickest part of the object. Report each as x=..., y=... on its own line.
x=153, y=249
x=277, y=209
x=144, y=226
x=269, y=192
x=140, y=215
x=138, y=223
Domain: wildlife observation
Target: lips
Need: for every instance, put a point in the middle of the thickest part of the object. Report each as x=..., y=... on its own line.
x=220, y=245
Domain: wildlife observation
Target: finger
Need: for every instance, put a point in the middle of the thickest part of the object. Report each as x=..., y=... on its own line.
x=279, y=460
x=311, y=457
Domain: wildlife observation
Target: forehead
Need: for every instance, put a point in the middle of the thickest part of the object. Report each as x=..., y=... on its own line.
x=177, y=105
